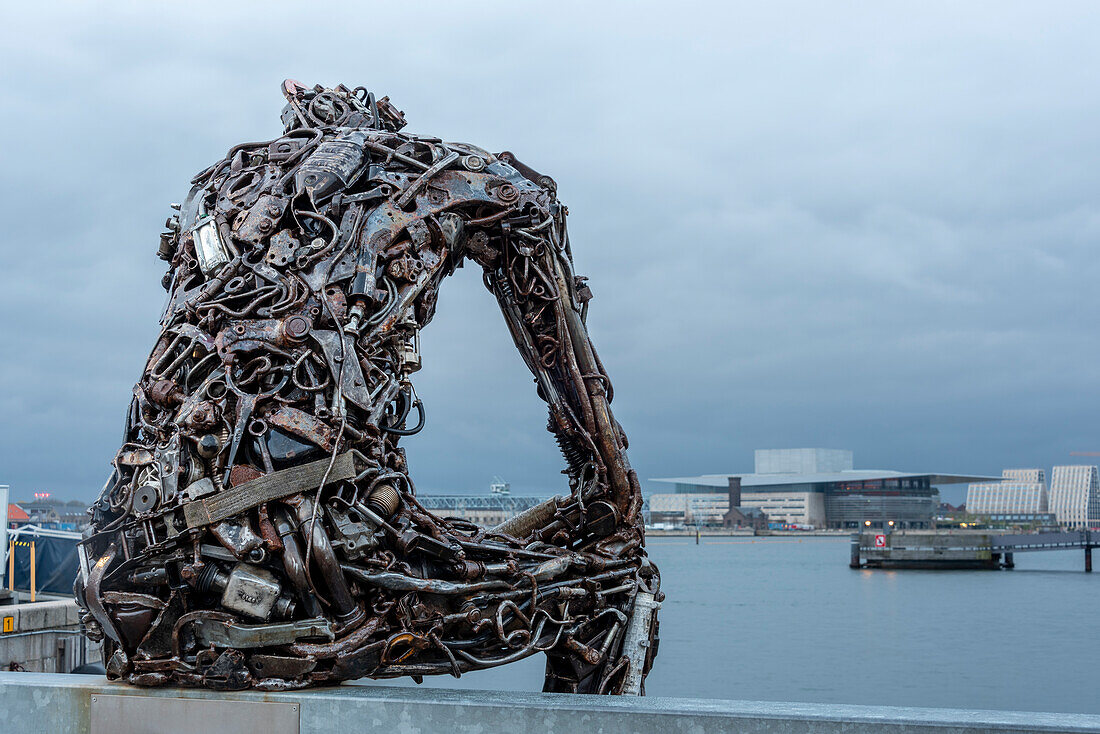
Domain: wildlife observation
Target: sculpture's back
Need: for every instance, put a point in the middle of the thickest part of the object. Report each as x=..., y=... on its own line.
x=260, y=527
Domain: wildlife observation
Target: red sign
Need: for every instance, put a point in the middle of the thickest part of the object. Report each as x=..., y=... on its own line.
x=880, y=541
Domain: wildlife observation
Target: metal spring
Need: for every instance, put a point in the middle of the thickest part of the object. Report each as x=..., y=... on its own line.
x=502, y=282
x=574, y=455
x=384, y=500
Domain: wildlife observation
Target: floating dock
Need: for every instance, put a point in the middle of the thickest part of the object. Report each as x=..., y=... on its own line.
x=961, y=549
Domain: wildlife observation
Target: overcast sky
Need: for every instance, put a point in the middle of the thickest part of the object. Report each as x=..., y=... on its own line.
x=866, y=226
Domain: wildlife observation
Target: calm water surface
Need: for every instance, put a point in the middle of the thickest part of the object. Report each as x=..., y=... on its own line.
x=786, y=619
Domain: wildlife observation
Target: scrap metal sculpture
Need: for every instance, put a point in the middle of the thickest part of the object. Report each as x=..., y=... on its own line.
x=260, y=528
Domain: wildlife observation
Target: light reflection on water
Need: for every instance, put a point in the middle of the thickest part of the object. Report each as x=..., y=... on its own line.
x=786, y=619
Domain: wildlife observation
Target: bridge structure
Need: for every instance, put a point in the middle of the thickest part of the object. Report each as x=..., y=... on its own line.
x=952, y=549
x=458, y=503
x=490, y=509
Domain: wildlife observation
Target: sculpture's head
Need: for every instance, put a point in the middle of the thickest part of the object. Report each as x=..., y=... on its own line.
x=319, y=107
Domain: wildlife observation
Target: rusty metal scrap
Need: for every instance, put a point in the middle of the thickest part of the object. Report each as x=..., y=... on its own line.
x=260, y=528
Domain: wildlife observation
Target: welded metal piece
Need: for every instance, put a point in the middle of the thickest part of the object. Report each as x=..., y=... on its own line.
x=208, y=246
x=251, y=591
x=228, y=634
x=260, y=528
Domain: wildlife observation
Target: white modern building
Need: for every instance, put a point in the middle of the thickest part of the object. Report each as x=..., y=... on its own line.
x=1075, y=496
x=801, y=461
x=1020, y=492
x=997, y=498
x=689, y=509
x=802, y=508
x=708, y=508
x=820, y=487
x=1035, y=476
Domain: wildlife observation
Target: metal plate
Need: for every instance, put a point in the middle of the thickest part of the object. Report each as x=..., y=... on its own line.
x=159, y=715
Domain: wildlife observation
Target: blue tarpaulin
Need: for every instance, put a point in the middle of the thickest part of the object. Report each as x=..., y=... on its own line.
x=55, y=563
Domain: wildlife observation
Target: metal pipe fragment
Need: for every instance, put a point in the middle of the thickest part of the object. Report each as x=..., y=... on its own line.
x=528, y=521
x=325, y=558
x=294, y=563
x=637, y=640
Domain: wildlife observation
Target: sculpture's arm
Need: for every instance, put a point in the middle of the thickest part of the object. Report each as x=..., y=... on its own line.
x=528, y=267
x=505, y=216
x=525, y=253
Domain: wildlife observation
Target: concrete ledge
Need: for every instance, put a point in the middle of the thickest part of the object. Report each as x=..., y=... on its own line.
x=44, y=636
x=42, y=703
x=53, y=613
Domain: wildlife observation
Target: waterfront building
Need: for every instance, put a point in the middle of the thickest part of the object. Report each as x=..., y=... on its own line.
x=1020, y=492
x=17, y=516
x=49, y=513
x=1035, y=476
x=745, y=517
x=1075, y=496
x=820, y=487
x=702, y=508
x=801, y=461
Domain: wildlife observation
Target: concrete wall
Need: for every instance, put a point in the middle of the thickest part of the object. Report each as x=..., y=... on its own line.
x=43, y=636
x=36, y=703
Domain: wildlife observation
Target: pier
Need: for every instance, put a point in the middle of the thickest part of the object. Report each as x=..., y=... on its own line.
x=950, y=549
x=43, y=703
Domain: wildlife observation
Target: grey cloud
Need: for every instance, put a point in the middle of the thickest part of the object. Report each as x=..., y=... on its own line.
x=805, y=224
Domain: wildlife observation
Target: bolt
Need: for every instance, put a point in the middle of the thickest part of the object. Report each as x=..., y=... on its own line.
x=296, y=327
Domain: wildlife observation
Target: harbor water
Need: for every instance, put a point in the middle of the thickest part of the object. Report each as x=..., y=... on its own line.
x=785, y=619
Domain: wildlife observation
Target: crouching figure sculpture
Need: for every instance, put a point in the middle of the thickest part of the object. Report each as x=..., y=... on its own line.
x=260, y=528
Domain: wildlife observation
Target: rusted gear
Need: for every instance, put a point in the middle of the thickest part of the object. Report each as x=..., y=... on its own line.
x=260, y=528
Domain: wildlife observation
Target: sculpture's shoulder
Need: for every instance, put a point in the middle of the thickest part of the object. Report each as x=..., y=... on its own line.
x=394, y=178
x=465, y=172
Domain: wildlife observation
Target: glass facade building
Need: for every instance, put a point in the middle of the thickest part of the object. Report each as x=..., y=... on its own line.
x=1075, y=496
x=1035, y=476
x=1022, y=491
